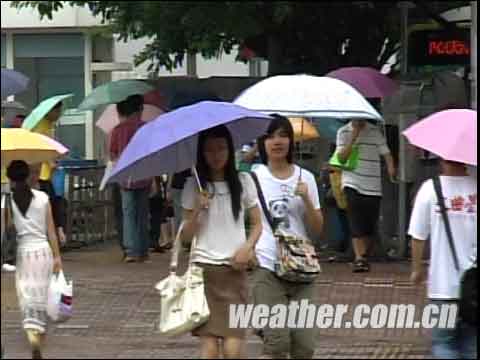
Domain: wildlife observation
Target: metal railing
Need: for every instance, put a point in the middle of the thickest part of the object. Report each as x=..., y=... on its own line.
x=90, y=216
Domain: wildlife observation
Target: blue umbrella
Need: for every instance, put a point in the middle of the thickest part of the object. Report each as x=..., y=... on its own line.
x=328, y=128
x=168, y=144
x=13, y=82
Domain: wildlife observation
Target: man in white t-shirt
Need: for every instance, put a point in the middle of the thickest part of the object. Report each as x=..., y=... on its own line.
x=460, y=193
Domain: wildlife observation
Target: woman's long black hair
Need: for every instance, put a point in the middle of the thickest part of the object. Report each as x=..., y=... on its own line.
x=278, y=122
x=18, y=172
x=231, y=173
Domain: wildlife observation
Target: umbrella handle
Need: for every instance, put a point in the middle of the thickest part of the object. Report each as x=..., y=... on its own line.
x=197, y=178
x=300, y=149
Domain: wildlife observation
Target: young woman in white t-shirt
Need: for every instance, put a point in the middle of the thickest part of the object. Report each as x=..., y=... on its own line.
x=216, y=218
x=38, y=253
x=291, y=195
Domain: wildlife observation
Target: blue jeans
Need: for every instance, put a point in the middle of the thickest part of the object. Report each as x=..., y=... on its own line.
x=457, y=343
x=135, y=222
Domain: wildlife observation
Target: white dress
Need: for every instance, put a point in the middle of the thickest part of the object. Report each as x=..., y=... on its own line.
x=34, y=261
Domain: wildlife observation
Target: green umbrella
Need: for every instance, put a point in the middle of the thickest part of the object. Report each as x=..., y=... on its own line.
x=42, y=110
x=114, y=92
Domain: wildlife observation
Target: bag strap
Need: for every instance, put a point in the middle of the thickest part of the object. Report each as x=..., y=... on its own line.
x=263, y=202
x=176, y=249
x=443, y=210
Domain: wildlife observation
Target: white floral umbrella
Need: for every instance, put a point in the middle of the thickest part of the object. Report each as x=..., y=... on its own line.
x=307, y=96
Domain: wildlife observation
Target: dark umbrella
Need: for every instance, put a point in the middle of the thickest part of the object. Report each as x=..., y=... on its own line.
x=185, y=98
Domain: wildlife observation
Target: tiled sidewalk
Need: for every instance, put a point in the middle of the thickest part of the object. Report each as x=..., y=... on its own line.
x=116, y=308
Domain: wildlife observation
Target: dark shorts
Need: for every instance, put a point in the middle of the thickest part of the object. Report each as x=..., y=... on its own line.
x=363, y=213
x=168, y=212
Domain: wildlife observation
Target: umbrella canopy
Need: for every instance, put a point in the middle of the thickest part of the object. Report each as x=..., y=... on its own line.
x=367, y=81
x=13, y=82
x=450, y=134
x=110, y=119
x=21, y=144
x=307, y=96
x=168, y=144
x=39, y=113
x=182, y=98
x=114, y=92
x=303, y=130
x=328, y=128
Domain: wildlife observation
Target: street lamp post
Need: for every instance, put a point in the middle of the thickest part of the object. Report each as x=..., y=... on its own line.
x=402, y=184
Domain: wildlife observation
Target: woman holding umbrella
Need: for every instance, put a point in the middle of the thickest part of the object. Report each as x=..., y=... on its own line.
x=216, y=218
x=291, y=197
x=38, y=252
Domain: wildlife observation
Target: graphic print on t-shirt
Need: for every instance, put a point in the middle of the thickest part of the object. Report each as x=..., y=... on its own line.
x=280, y=207
x=460, y=203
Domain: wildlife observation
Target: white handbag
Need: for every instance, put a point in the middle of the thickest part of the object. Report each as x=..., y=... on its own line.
x=183, y=304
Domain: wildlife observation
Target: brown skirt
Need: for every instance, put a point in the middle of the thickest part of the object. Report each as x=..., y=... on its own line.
x=223, y=286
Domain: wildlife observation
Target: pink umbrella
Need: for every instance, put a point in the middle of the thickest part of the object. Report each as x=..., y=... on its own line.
x=367, y=81
x=450, y=134
x=109, y=119
x=59, y=147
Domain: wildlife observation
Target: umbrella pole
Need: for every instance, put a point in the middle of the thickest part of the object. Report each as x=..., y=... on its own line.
x=197, y=178
x=300, y=149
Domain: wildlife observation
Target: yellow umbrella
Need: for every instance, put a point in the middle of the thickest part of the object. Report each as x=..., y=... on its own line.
x=21, y=144
x=303, y=130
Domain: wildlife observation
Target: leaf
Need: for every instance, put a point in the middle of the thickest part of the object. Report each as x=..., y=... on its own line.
x=292, y=36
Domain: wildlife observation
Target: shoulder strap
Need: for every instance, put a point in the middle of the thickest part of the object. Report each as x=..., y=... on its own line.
x=441, y=202
x=263, y=203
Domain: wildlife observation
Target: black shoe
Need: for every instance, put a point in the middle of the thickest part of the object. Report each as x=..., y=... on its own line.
x=37, y=354
x=361, y=266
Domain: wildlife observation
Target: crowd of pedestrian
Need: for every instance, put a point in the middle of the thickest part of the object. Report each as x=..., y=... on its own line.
x=235, y=218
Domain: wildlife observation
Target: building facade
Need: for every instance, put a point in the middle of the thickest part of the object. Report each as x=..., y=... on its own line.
x=66, y=55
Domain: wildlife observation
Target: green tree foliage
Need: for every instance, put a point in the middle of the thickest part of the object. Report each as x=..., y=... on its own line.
x=310, y=37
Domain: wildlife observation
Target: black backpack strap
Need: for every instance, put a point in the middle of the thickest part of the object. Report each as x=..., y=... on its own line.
x=263, y=203
x=443, y=210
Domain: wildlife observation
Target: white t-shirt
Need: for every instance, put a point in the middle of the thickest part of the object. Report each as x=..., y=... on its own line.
x=461, y=202
x=220, y=235
x=32, y=228
x=285, y=208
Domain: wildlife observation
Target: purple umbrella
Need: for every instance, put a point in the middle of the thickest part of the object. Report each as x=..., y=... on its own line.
x=13, y=82
x=367, y=81
x=168, y=144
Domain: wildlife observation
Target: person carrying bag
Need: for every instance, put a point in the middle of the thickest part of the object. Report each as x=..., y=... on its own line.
x=287, y=263
x=468, y=302
x=183, y=302
x=297, y=258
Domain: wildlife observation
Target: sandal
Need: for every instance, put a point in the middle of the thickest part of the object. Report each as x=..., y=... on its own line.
x=163, y=248
x=361, y=266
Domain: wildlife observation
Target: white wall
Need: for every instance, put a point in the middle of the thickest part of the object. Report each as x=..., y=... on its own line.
x=224, y=66
x=125, y=52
